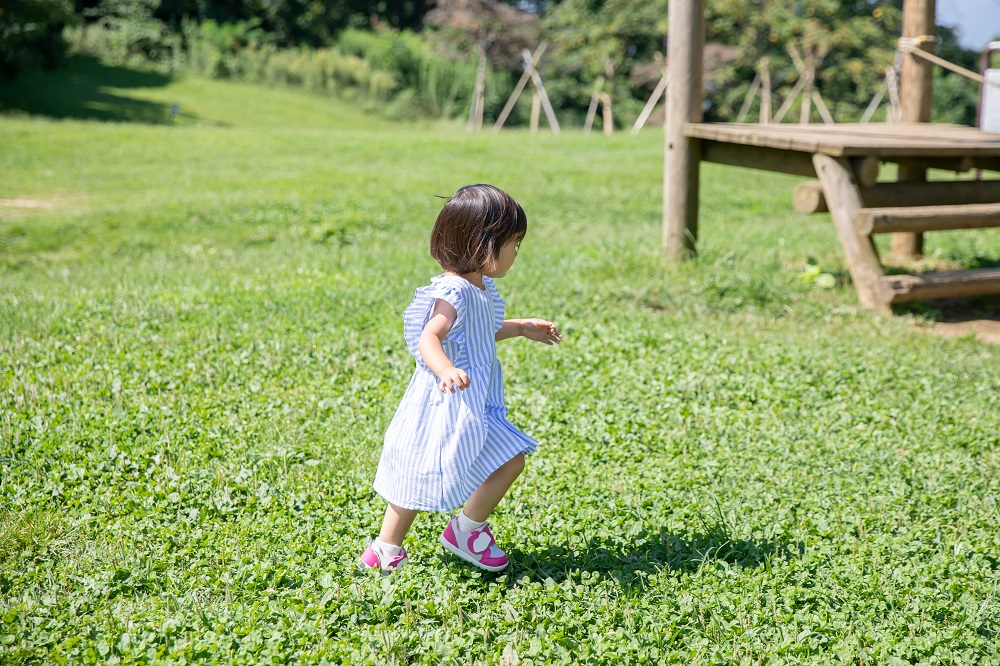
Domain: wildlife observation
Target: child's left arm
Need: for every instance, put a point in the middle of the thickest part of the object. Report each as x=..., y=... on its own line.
x=538, y=330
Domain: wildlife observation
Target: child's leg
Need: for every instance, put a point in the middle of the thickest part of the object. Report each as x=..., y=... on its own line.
x=396, y=524
x=487, y=496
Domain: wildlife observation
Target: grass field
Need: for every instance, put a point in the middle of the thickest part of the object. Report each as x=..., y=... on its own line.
x=200, y=348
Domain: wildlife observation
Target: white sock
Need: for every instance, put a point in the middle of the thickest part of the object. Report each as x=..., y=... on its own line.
x=467, y=524
x=388, y=548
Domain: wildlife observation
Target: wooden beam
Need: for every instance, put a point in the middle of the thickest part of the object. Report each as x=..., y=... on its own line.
x=592, y=109
x=956, y=164
x=520, y=86
x=757, y=157
x=651, y=103
x=841, y=190
x=926, y=218
x=536, y=79
x=866, y=169
x=948, y=284
x=686, y=40
x=807, y=198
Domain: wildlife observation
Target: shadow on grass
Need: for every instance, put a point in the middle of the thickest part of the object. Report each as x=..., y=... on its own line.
x=650, y=553
x=958, y=317
x=86, y=89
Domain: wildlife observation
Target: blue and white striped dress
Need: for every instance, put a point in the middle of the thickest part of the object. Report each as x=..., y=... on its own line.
x=440, y=447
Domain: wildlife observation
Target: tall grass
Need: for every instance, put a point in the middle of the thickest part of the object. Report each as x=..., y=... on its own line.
x=395, y=73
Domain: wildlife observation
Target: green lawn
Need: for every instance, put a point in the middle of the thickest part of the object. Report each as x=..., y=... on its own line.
x=201, y=347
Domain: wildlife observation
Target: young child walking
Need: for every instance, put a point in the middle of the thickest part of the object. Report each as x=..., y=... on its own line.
x=449, y=442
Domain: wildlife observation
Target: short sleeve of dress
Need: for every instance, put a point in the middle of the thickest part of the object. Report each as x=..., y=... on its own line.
x=498, y=304
x=419, y=311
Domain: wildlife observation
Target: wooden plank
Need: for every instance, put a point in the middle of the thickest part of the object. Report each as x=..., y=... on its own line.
x=917, y=219
x=808, y=198
x=841, y=192
x=956, y=164
x=949, y=284
x=754, y=157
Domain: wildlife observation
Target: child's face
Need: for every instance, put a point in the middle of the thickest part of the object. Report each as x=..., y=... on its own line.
x=508, y=253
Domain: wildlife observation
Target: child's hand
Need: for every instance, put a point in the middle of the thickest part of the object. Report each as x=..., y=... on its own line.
x=540, y=330
x=452, y=378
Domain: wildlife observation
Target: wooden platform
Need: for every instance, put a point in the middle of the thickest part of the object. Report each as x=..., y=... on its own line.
x=845, y=158
x=888, y=141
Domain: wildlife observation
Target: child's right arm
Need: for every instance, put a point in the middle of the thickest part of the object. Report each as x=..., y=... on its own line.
x=435, y=331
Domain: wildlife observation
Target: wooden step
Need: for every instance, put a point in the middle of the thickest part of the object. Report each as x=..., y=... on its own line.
x=917, y=219
x=808, y=196
x=946, y=284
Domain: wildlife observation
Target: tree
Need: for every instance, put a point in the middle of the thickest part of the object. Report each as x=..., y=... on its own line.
x=851, y=43
x=594, y=38
x=31, y=34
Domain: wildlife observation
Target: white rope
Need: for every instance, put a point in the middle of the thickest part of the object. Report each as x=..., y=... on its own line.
x=912, y=45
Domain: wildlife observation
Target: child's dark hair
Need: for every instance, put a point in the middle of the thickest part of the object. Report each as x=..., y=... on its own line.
x=476, y=222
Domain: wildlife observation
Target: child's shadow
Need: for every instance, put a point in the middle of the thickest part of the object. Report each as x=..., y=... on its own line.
x=648, y=553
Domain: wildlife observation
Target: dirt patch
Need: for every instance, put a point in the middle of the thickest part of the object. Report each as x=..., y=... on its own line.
x=986, y=330
x=27, y=203
x=954, y=319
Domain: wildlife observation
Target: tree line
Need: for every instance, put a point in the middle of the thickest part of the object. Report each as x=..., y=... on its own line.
x=420, y=56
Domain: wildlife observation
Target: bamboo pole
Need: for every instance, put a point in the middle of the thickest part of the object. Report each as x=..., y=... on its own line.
x=520, y=86
x=647, y=110
x=765, y=93
x=592, y=109
x=783, y=109
x=821, y=107
x=536, y=107
x=892, y=85
x=475, y=123
x=543, y=97
x=748, y=100
x=873, y=105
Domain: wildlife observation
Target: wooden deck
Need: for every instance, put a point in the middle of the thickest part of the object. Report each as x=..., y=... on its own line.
x=789, y=148
x=845, y=158
x=852, y=140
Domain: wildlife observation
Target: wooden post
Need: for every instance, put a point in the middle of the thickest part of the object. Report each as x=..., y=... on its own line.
x=748, y=100
x=536, y=108
x=682, y=154
x=915, y=79
x=840, y=188
x=543, y=98
x=607, y=120
x=765, y=91
x=592, y=109
x=478, y=94
x=892, y=86
x=807, y=91
x=529, y=68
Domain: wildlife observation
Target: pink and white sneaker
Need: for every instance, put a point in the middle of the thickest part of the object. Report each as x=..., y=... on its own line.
x=373, y=557
x=476, y=547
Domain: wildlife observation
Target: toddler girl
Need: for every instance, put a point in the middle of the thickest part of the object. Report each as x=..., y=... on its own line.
x=449, y=442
